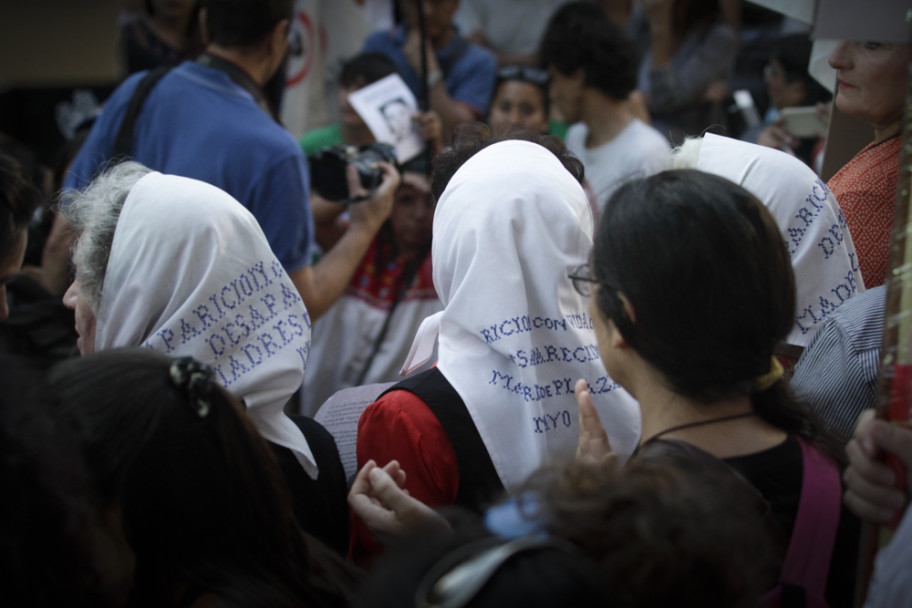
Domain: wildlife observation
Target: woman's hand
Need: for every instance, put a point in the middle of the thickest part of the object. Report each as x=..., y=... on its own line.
x=775, y=136
x=871, y=491
x=378, y=498
x=593, y=447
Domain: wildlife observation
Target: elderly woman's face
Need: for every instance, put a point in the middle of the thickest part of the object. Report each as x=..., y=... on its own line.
x=872, y=79
x=77, y=301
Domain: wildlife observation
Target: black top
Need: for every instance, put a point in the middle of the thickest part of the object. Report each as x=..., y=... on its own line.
x=320, y=505
x=777, y=474
x=479, y=483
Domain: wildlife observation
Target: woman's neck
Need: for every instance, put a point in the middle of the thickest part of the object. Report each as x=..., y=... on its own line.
x=887, y=130
x=724, y=428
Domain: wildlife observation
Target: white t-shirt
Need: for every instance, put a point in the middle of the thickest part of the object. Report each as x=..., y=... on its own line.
x=513, y=27
x=637, y=151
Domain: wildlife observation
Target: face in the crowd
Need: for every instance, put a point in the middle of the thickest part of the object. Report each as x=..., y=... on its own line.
x=438, y=16
x=566, y=92
x=412, y=217
x=872, y=78
x=782, y=93
x=9, y=266
x=76, y=300
x=518, y=105
x=347, y=114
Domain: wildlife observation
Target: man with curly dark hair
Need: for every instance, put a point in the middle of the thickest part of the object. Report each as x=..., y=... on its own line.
x=593, y=72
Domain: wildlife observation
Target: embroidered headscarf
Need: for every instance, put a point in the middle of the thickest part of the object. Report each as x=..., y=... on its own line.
x=515, y=335
x=813, y=227
x=190, y=273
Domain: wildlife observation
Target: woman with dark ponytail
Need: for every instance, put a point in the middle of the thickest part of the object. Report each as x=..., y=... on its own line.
x=692, y=290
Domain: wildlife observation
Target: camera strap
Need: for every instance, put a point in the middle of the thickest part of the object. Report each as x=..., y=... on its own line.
x=409, y=274
x=123, y=143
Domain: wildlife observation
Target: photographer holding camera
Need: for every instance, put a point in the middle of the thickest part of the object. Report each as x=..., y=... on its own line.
x=210, y=120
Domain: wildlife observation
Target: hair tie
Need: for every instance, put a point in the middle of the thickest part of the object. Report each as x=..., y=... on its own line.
x=195, y=379
x=764, y=381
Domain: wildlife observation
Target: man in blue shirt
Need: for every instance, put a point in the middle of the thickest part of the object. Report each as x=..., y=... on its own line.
x=208, y=119
x=460, y=75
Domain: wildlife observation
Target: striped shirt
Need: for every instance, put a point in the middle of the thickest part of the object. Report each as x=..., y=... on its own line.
x=837, y=374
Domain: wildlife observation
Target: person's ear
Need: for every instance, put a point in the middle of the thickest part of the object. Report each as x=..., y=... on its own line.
x=278, y=38
x=628, y=308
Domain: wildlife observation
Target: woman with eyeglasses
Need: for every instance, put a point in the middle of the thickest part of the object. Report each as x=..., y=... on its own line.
x=692, y=289
x=520, y=100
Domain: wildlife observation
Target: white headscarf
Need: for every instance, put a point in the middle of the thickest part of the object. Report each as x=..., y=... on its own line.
x=812, y=224
x=515, y=335
x=191, y=273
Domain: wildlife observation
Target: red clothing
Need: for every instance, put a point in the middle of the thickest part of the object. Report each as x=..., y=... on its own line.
x=866, y=191
x=399, y=426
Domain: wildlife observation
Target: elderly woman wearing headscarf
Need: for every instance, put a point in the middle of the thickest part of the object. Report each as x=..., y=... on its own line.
x=513, y=337
x=179, y=266
x=810, y=221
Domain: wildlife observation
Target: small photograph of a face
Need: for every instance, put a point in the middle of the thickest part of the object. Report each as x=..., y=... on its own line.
x=398, y=117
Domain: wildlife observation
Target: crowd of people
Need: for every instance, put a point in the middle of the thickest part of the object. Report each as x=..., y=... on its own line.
x=640, y=343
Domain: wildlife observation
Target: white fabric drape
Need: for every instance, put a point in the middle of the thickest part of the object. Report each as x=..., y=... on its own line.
x=812, y=225
x=191, y=273
x=515, y=335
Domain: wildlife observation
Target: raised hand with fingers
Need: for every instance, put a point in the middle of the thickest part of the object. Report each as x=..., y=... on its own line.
x=378, y=498
x=593, y=447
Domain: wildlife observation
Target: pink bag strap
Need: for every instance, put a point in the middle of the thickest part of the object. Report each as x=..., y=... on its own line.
x=810, y=550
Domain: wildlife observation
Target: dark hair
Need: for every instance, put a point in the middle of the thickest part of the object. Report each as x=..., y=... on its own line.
x=677, y=527
x=703, y=264
x=46, y=515
x=793, y=52
x=202, y=498
x=517, y=72
x=471, y=138
x=579, y=35
x=366, y=68
x=244, y=23
x=18, y=200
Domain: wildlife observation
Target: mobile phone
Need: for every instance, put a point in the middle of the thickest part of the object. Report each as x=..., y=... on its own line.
x=803, y=121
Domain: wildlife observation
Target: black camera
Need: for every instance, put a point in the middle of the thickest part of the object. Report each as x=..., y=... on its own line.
x=327, y=168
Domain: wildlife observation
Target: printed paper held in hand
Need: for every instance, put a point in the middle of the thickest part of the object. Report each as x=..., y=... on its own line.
x=387, y=107
x=339, y=415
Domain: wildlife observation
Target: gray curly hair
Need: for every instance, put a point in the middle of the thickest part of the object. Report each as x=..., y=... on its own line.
x=93, y=214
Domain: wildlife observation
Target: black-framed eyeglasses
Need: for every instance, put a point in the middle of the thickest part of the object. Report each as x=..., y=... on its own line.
x=524, y=73
x=583, y=281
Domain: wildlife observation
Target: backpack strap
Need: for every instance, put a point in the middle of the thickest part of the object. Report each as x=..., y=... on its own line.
x=123, y=143
x=810, y=550
x=479, y=483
